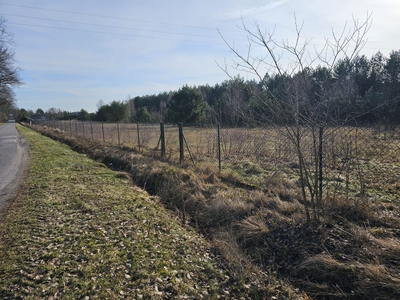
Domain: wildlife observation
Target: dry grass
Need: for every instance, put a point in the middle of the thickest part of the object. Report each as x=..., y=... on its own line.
x=352, y=252
x=79, y=230
x=356, y=160
x=327, y=276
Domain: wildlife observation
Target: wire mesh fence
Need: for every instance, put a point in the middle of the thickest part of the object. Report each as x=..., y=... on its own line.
x=350, y=161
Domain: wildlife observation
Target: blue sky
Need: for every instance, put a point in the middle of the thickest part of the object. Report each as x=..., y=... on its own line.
x=74, y=53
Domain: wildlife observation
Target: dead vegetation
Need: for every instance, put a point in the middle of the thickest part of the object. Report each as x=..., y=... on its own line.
x=353, y=252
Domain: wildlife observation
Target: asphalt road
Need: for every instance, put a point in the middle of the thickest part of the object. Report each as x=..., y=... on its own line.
x=13, y=160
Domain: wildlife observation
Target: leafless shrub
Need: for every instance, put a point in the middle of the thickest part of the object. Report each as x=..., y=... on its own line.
x=303, y=128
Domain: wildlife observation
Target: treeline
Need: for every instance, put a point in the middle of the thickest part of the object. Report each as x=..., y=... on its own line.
x=360, y=90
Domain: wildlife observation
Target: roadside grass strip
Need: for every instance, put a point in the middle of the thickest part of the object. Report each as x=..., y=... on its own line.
x=79, y=230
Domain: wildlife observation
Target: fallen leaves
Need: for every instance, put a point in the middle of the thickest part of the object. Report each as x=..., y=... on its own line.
x=84, y=233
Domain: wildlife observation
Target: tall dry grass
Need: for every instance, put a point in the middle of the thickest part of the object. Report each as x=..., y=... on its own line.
x=351, y=253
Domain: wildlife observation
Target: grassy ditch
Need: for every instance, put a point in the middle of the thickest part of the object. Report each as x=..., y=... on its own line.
x=79, y=230
x=352, y=253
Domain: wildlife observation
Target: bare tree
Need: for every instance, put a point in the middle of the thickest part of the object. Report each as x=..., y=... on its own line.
x=233, y=102
x=300, y=109
x=9, y=73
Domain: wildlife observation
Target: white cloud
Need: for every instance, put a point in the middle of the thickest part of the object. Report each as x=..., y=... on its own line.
x=154, y=46
x=242, y=13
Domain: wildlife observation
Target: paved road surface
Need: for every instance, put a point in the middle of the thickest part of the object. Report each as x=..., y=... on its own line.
x=13, y=160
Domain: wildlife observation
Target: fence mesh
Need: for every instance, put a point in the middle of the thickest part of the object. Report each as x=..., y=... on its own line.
x=355, y=161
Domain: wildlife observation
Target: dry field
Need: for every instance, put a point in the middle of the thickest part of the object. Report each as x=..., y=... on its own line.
x=78, y=230
x=252, y=211
x=356, y=161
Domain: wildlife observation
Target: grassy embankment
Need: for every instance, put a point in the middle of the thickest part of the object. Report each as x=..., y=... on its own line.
x=352, y=252
x=78, y=230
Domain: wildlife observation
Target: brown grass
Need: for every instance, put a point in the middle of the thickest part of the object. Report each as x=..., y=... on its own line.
x=351, y=253
x=327, y=276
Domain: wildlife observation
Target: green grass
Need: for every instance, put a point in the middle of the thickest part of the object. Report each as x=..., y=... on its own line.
x=352, y=252
x=78, y=229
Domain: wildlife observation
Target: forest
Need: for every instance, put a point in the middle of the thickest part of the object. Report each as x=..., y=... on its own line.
x=361, y=91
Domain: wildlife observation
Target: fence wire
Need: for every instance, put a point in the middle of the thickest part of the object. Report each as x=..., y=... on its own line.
x=354, y=161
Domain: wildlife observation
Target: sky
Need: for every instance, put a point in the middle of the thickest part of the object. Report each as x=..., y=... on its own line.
x=74, y=53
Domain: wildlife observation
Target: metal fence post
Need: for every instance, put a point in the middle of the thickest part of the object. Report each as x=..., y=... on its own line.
x=119, y=139
x=219, y=146
x=102, y=129
x=91, y=129
x=181, y=154
x=320, y=163
x=162, y=138
x=138, y=136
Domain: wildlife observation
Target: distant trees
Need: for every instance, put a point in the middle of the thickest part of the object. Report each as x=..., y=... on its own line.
x=233, y=102
x=53, y=113
x=116, y=111
x=142, y=115
x=83, y=115
x=21, y=115
x=40, y=111
x=186, y=105
x=149, y=107
x=352, y=89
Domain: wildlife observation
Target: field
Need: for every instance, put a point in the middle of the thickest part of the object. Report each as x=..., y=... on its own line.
x=356, y=160
x=252, y=210
x=81, y=231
